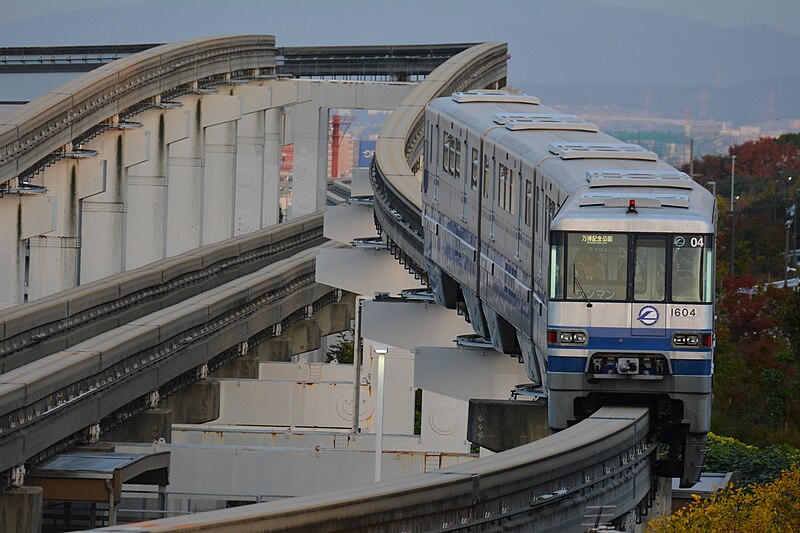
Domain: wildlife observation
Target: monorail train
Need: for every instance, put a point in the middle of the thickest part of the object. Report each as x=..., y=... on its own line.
x=588, y=257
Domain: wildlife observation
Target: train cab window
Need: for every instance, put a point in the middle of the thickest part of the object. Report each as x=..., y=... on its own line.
x=692, y=269
x=593, y=267
x=557, y=267
x=650, y=259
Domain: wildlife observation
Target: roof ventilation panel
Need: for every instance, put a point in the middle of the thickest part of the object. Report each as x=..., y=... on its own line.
x=602, y=151
x=495, y=97
x=543, y=121
x=672, y=179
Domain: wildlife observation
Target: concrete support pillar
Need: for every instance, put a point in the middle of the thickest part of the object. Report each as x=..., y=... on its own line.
x=489, y=421
x=661, y=494
x=56, y=258
x=219, y=120
x=195, y=404
x=12, y=259
x=102, y=216
x=249, y=173
x=272, y=167
x=21, y=510
x=304, y=335
x=148, y=426
x=334, y=317
x=243, y=367
x=145, y=228
x=23, y=217
x=277, y=349
x=185, y=166
x=219, y=182
x=310, y=158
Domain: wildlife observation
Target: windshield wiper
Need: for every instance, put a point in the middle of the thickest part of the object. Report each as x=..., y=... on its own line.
x=578, y=283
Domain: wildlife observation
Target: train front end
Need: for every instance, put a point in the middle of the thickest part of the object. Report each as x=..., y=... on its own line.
x=630, y=320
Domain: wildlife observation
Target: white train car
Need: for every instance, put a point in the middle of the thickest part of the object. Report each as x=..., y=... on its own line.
x=588, y=257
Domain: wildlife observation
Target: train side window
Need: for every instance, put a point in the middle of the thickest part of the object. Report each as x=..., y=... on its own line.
x=446, y=152
x=430, y=149
x=502, y=176
x=473, y=180
x=486, y=174
x=510, y=187
x=528, y=209
x=457, y=158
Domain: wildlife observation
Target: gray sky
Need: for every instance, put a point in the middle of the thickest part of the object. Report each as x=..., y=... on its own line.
x=783, y=15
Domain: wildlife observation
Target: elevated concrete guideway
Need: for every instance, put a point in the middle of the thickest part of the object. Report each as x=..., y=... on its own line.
x=196, y=155
x=28, y=72
x=164, y=162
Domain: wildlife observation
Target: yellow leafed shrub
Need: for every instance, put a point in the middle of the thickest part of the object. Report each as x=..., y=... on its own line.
x=773, y=507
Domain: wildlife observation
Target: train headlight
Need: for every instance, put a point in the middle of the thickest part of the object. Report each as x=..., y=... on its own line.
x=686, y=340
x=562, y=337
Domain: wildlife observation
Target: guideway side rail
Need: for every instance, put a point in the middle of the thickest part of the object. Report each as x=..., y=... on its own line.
x=36, y=329
x=567, y=482
x=48, y=404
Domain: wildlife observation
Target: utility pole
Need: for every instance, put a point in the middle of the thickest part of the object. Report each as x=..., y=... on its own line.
x=786, y=253
x=733, y=215
x=789, y=215
x=794, y=212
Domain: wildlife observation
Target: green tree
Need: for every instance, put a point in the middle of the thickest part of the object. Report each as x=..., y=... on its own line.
x=341, y=351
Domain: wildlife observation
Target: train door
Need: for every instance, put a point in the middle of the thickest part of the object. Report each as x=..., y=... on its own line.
x=648, y=268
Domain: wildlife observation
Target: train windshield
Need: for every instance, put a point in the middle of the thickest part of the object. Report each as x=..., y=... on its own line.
x=636, y=267
x=595, y=266
x=692, y=273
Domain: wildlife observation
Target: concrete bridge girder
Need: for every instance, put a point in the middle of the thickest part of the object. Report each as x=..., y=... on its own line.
x=188, y=176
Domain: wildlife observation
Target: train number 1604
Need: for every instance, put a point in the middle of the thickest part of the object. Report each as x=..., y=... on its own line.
x=682, y=311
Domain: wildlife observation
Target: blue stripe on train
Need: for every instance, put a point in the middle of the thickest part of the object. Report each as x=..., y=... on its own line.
x=680, y=367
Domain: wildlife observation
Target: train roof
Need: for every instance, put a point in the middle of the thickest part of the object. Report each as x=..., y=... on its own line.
x=594, y=169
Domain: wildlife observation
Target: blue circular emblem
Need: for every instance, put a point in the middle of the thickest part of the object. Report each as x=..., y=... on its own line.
x=648, y=315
